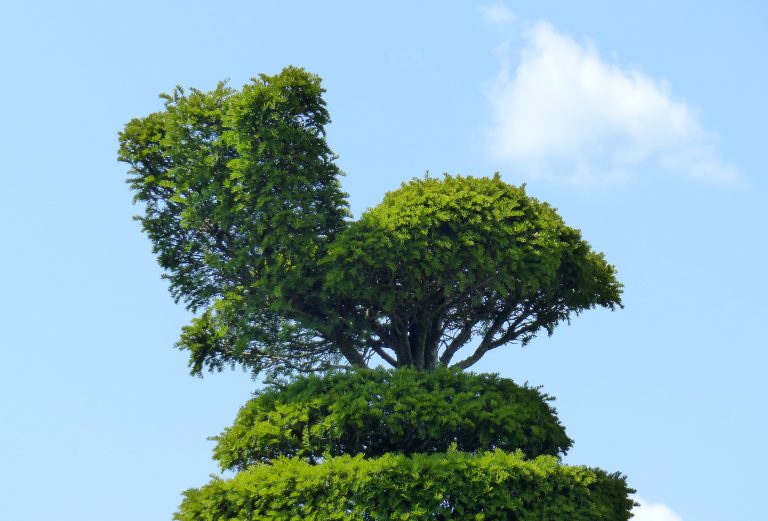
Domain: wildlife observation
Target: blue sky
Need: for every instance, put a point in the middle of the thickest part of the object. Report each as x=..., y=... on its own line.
x=645, y=125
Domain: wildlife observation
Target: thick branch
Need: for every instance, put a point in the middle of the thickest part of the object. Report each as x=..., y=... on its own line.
x=417, y=335
x=402, y=344
x=386, y=356
x=347, y=349
x=488, y=341
x=462, y=338
x=432, y=343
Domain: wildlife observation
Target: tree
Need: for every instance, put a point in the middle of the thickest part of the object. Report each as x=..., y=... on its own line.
x=244, y=208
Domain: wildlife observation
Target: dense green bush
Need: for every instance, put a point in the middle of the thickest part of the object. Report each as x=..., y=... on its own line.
x=449, y=486
x=374, y=412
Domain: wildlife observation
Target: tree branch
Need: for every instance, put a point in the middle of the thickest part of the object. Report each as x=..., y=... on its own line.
x=458, y=342
x=386, y=356
x=488, y=342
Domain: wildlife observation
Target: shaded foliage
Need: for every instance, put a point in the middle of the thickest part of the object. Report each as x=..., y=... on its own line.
x=241, y=196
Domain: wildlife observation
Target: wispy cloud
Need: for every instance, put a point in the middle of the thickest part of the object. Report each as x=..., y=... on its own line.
x=565, y=113
x=497, y=14
x=653, y=512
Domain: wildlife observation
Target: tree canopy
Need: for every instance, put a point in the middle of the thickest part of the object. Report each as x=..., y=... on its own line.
x=243, y=204
x=441, y=262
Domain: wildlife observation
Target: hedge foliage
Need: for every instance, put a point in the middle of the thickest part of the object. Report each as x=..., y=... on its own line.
x=374, y=412
x=449, y=486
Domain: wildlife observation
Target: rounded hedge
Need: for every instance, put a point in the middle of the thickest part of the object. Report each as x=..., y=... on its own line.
x=457, y=486
x=375, y=412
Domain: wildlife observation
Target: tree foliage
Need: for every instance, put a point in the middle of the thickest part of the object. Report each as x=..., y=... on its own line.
x=373, y=412
x=243, y=205
x=402, y=444
x=441, y=262
x=241, y=197
x=456, y=486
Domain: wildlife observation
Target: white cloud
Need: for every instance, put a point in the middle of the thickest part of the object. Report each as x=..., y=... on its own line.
x=565, y=113
x=497, y=14
x=653, y=512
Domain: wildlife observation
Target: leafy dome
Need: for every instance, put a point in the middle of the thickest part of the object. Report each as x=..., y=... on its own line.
x=463, y=257
x=373, y=412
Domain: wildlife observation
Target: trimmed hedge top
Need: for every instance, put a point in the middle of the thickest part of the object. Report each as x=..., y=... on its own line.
x=374, y=412
x=456, y=486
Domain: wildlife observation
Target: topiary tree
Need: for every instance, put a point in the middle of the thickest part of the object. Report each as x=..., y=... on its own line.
x=243, y=205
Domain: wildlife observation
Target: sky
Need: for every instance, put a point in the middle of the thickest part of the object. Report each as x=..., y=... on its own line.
x=644, y=124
